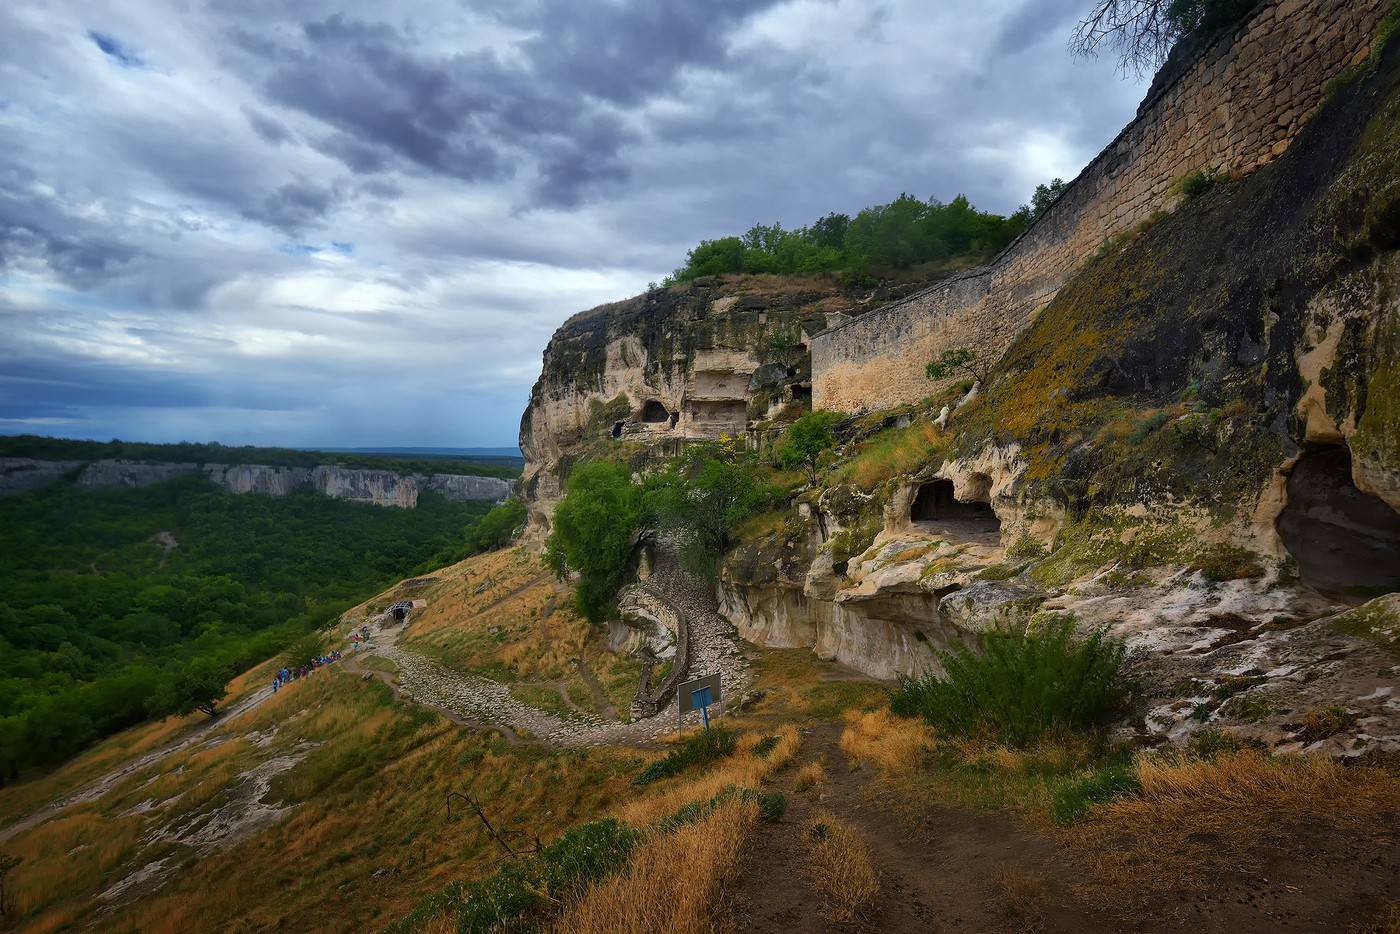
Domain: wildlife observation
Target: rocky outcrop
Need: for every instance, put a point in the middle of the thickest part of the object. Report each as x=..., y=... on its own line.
x=103, y=475
x=22, y=474
x=378, y=487
x=716, y=356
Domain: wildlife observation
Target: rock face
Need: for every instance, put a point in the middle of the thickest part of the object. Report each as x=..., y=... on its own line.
x=702, y=359
x=379, y=487
x=22, y=474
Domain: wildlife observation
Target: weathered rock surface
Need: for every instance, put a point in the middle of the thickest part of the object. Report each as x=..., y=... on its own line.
x=698, y=360
x=22, y=474
x=379, y=487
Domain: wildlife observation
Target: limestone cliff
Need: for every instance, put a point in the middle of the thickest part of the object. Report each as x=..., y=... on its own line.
x=719, y=355
x=379, y=487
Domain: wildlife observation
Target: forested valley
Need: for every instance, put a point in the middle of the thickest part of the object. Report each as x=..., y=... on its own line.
x=118, y=605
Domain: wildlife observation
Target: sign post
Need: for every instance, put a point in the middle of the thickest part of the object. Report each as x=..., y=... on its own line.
x=698, y=694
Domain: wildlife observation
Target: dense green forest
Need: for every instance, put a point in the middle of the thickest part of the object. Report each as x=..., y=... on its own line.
x=906, y=232
x=110, y=597
x=187, y=452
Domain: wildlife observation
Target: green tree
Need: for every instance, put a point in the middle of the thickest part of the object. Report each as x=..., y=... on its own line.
x=1045, y=196
x=200, y=685
x=806, y=439
x=958, y=359
x=706, y=494
x=304, y=650
x=595, y=526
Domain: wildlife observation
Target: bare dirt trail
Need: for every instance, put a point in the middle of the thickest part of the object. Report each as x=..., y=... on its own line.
x=957, y=870
x=953, y=869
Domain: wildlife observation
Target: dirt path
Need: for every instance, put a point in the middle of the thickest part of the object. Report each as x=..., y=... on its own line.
x=465, y=697
x=97, y=788
x=956, y=870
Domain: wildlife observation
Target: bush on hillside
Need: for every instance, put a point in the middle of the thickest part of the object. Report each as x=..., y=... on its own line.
x=1020, y=686
x=701, y=749
x=522, y=894
x=706, y=495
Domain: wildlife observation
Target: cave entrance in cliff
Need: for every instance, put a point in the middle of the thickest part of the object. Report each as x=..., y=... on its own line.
x=1346, y=542
x=654, y=413
x=617, y=429
x=936, y=506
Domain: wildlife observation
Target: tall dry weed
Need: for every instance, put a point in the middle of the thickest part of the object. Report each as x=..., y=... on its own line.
x=673, y=882
x=897, y=745
x=744, y=769
x=842, y=868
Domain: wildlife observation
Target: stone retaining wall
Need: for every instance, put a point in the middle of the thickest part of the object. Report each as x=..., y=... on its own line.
x=1235, y=107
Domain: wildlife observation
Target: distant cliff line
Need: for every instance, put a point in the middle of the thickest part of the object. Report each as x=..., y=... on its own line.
x=379, y=487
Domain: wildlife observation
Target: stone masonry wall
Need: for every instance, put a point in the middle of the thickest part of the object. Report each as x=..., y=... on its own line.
x=1236, y=107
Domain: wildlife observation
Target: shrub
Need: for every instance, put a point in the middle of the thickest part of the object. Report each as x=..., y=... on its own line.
x=701, y=749
x=1027, y=546
x=1224, y=562
x=522, y=893
x=1197, y=183
x=765, y=745
x=1021, y=685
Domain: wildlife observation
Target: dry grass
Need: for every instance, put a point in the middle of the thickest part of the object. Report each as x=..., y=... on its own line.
x=897, y=745
x=1022, y=893
x=841, y=866
x=1197, y=818
x=892, y=453
x=743, y=769
x=673, y=882
x=371, y=794
x=809, y=776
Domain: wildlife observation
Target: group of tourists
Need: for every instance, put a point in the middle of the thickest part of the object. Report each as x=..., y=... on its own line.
x=287, y=675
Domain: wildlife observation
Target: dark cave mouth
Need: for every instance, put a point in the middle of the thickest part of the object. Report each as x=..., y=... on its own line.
x=1346, y=543
x=936, y=505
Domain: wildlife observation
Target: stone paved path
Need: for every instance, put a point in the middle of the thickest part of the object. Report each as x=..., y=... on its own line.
x=714, y=647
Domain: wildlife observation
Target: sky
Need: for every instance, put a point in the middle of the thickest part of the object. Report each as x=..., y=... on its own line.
x=358, y=223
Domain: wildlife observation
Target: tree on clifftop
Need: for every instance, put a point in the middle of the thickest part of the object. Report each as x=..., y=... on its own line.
x=806, y=439
x=1144, y=31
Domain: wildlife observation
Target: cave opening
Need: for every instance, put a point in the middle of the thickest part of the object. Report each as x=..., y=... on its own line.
x=617, y=429
x=1346, y=542
x=935, y=504
x=654, y=413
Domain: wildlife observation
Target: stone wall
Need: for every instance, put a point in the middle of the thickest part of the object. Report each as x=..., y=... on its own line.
x=1235, y=107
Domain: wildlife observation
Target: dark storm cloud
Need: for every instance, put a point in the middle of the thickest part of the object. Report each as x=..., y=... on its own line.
x=32, y=229
x=220, y=219
x=114, y=49
x=272, y=131
x=295, y=206
x=478, y=116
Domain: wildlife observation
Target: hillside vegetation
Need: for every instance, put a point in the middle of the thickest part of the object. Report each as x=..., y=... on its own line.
x=108, y=597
